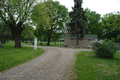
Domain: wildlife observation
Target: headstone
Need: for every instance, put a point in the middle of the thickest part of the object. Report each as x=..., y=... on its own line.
x=41, y=43
x=65, y=45
x=1, y=45
x=35, y=43
x=118, y=45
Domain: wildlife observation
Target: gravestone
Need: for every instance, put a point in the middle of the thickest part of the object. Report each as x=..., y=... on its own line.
x=35, y=43
x=1, y=45
x=118, y=45
x=41, y=43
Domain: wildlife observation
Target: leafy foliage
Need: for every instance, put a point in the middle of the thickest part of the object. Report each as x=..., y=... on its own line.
x=5, y=33
x=94, y=25
x=104, y=49
x=39, y=15
x=111, y=25
x=27, y=34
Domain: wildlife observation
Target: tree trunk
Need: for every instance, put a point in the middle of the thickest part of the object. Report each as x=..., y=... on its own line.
x=16, y=35
x=48, y=43
x=3, y=41
x=77, y=39
x=17, y=41
x=49, y=32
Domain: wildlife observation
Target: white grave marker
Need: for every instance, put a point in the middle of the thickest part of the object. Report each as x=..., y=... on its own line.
x=35, y=43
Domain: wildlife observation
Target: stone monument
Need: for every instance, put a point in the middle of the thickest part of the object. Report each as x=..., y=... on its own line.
x=35, y=43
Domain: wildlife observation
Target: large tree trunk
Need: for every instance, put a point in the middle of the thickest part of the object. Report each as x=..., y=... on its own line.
x=17, y=41
x=16, y=35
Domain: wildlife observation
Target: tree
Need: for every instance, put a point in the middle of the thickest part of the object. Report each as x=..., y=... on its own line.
x=78, y=20
x=53, y=25
x=94, y=23
x=111, y=25
x=15, y=13
x=41, y=19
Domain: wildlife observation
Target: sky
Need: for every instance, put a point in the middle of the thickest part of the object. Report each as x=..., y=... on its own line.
x=100, y=6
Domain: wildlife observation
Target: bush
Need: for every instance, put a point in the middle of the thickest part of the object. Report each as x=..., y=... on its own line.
x=104, y=49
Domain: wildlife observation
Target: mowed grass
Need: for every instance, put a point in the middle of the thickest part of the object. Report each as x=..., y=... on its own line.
x=44, y=44
x=10, y=56
x=89, y=67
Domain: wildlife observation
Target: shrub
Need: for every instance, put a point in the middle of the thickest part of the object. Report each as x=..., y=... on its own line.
x=104, y=49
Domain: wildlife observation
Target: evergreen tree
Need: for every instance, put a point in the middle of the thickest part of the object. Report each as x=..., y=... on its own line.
x=78, y=20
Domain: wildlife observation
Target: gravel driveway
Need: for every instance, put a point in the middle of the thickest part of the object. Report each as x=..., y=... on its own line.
x=52, y=65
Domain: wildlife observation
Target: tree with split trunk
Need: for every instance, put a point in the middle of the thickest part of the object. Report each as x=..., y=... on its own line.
x=15, y=13
x=50, y=18
x=78, y=20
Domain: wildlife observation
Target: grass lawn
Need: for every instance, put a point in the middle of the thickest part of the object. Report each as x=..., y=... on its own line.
x=89, y=67
x=10, y=56
x=44, y=44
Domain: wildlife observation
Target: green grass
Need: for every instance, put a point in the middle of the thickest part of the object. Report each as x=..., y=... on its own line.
x=10, y=56
x=44, y=44
x=90, y=67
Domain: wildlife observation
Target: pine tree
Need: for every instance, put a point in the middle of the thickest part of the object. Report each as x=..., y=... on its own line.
x=78, y=20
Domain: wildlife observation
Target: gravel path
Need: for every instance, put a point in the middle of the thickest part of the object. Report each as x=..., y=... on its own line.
x=52, y=65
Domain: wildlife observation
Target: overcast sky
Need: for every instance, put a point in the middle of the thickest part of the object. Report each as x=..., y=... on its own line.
x=100, y=6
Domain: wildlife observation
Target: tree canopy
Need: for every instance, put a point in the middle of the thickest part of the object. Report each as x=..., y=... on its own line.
x=15, y=13
x=50, y=23
x=111, y=25
x=93, y=24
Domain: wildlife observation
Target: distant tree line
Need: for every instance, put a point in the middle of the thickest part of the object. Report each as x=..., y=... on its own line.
x=52, y=20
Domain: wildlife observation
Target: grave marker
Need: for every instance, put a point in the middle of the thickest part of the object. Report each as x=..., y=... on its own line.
x=35, y=43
